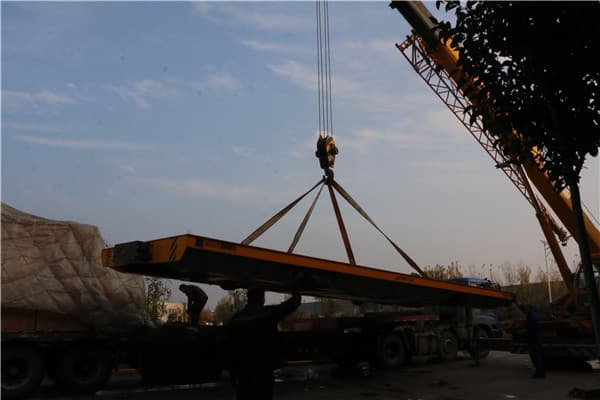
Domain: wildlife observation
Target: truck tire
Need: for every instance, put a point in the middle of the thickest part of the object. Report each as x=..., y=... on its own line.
x=83, y=369
x=482, y=352
x=391, y=351
x=22, y=371
x=448, y=346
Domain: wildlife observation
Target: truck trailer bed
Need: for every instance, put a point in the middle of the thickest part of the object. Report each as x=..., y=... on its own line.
x=230, y=265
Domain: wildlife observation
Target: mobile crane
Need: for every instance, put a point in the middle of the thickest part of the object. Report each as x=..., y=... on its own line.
x=571, y=334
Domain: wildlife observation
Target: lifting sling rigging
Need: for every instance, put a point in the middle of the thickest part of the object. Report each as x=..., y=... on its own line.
x=326, y=152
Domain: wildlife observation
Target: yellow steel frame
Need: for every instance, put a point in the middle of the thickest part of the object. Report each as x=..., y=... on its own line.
x=172, y=250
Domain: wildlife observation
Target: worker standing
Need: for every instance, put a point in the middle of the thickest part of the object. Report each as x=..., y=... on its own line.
x=534, y=342
x=197, y=299
x=254, y=345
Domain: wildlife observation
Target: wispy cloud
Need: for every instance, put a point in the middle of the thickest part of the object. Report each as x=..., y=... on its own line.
x=243, y=151
x=251, y=154
x=127, y=168
x=437, y=125
x=382, y=47
x=142, y=93
x=219, y=80
x=197, y=188
x=466, y=170
x=78, y=143
x=298, y=74
x=373, y=54
x=32, y=127
x=366, y=96
x=243, y=14
x=36, y=99
x=442, y=120
x=364, y=139
x=267, y=46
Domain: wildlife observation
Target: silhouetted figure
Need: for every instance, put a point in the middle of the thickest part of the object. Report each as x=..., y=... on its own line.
x=196, y=301
x=534, y=342
x=254, y=345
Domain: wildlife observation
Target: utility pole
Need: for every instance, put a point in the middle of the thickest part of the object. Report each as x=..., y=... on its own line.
x=547, y=273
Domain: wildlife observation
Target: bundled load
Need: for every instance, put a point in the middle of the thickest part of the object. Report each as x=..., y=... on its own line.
x=54, y=268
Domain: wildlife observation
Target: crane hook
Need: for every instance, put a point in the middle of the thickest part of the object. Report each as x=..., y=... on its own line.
x=326, y=152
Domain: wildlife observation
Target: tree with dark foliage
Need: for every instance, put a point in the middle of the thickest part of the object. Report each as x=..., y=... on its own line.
x=538, y=89
x=157, y=294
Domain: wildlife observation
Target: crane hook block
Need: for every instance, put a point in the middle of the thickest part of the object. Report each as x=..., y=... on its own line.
x=326, y=151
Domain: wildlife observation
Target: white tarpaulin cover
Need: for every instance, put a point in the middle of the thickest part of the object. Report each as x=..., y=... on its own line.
x=55, y=266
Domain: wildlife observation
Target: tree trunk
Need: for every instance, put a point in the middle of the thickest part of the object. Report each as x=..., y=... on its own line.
x=586, y=262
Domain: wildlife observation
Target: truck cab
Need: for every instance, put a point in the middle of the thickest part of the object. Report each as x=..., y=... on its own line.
x=486, y=319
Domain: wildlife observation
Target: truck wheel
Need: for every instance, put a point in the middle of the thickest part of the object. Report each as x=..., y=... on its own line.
x=22, y=371
x=448, y=346
x=482, y=352
x=391, y=352
x=83, y=370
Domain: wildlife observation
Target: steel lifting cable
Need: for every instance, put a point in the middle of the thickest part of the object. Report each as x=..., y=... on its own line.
x=319, y=68
x=326, y=148
x=328, y=60
x=324, y=69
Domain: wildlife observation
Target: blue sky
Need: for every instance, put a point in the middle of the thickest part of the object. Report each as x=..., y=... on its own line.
x=151, y=119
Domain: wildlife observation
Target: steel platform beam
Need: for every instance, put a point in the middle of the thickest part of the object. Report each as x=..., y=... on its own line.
x=231, y=265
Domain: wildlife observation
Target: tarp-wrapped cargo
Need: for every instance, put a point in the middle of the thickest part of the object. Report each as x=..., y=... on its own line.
x=54, y=268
